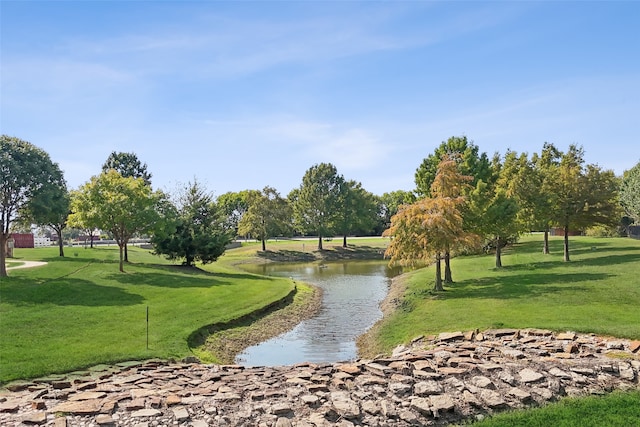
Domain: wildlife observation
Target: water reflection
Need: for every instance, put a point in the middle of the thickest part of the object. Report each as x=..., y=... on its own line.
x=352, y=292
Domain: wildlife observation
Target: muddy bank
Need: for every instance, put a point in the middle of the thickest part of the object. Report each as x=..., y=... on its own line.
x=225, y=342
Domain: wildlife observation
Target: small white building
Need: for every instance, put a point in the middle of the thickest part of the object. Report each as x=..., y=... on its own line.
x=40, y=242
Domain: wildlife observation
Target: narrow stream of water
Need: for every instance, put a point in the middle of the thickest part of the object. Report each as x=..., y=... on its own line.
x=352, y=292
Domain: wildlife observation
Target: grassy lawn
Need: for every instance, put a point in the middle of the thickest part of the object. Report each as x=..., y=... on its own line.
x=80, y=311
x=598, y=291
x=613, y=410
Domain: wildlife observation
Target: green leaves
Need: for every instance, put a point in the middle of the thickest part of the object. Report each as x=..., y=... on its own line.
x=27, y=173
x=630, y=192
x=316, y=206
x=193, y=230
x=122, y=205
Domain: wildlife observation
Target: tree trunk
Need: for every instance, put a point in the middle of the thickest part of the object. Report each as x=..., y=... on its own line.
x=319, y=243
x=264, y=245
x=344, y=241
x=60, y=242
x=498, y=254
x=91, y=240
x=126, y=253
x=447, y=268
x=121, y=246
x=566, y=243
x=3, y=254
x=438, y=285
x=545, y=247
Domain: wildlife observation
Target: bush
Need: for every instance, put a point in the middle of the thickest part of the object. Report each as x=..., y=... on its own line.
x=604, y=231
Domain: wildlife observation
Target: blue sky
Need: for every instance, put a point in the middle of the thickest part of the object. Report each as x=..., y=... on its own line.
x=240, y=95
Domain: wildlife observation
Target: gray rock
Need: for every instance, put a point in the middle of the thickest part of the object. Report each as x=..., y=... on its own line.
x=482, y=382
x=426, y=388
x=181, y=414
x=146, y=413
x=442, y=402
x=528, y=375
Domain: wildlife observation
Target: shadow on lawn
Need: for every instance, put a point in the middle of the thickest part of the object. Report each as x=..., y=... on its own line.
x=178, y=277
x=522, y=286
x=196, y=271
x=66, y=291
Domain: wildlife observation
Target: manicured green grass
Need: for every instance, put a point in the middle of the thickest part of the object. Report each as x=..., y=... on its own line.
x=613, y=410
x=80, y=311
x=597, y=291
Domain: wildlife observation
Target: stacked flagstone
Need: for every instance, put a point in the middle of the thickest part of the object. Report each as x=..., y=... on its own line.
x=433, y=381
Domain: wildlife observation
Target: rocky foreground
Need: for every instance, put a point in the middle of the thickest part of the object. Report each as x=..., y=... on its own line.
x=433, y=381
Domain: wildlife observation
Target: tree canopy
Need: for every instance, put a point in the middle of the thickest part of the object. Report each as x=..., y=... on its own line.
x=585, y=195
x=26, y=171
x=427, y=229
x=316, y=203
x=128, y=165
x=122, y=205
x=233, y=205
x=389, y=203
x=358, y=210
x=472, y=163
x=269, y=215
x=51, y=208
x=192, y=228
x=630, y=192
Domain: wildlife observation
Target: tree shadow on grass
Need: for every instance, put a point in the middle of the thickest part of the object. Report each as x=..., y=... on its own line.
x=22, y=291
x=191, y=277
x=522, y=285
x=609, y=259
x=599, y=260
x=197, y=271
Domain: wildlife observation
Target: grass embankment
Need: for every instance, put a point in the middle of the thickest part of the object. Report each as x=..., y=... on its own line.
x=80, y=311
x=598, y=291
x=305, y=250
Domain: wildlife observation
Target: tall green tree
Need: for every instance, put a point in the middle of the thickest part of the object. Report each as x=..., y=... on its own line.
x=630, y=192
x=233, y=205
x=358, y=210
x=128, y=165
x=121, y=205
x=193, y=229
x=542, y=198
x=316, y=203
x=493, y=211
x=25, y=172
x=269, y=215
x=50, y=208
x=471, y=163
x=585, y=195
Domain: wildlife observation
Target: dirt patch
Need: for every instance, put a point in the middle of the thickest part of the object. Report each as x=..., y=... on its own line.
x=226, y=342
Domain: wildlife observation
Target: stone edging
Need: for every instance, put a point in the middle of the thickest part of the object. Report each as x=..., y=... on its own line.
x=434, y=381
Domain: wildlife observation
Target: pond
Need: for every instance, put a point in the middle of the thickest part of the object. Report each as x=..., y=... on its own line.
x=352, y=292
